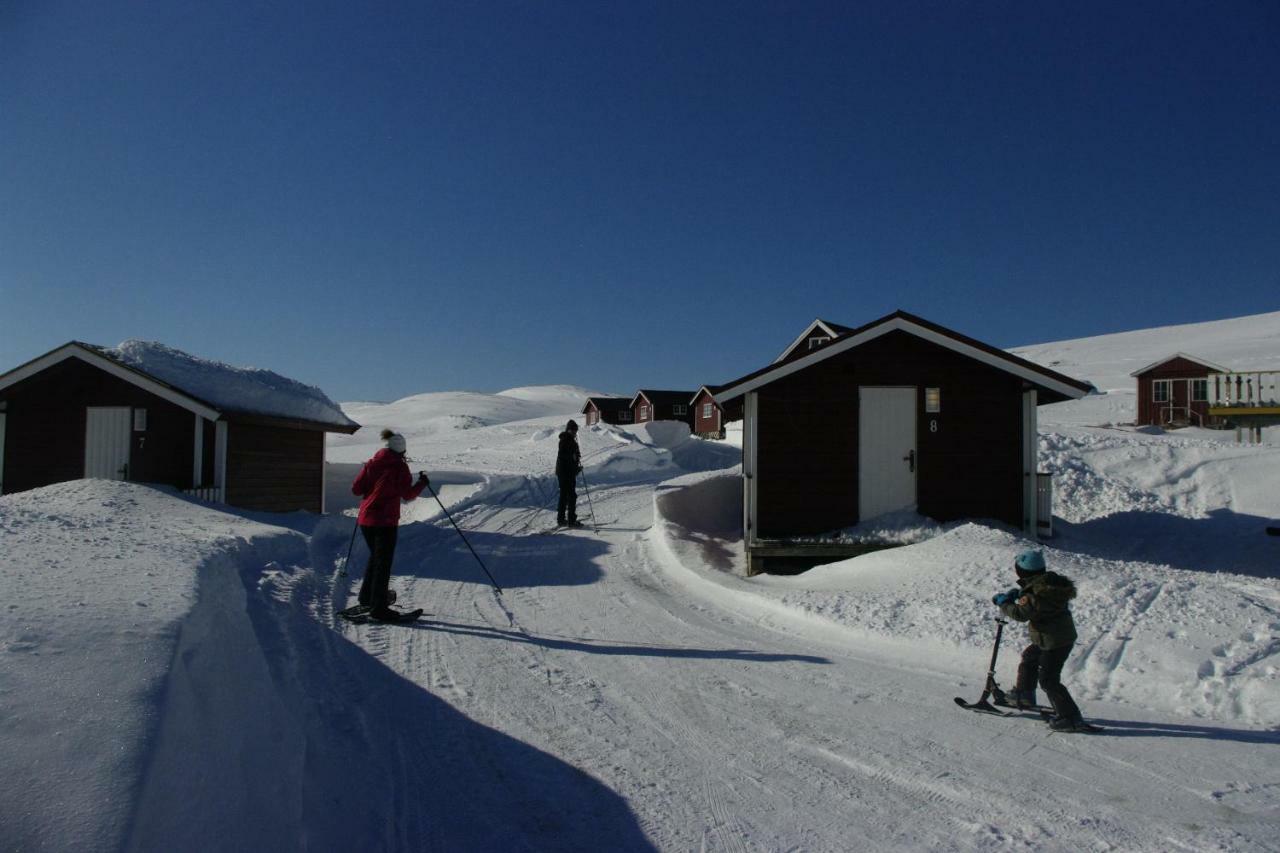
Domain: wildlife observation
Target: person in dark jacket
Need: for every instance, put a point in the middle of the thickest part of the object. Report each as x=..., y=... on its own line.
x=568, y=466
x=1043, y=601
x=383, y=483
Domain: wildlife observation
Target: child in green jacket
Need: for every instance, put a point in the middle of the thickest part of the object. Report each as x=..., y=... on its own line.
x=1043, y=600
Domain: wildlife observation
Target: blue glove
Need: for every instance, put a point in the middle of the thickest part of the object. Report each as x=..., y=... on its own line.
x=1002, y=598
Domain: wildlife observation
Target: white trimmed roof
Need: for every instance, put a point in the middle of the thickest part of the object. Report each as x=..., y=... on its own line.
x=1194, y=358
x=207, y=388
x=901, y=321
x=819, y=325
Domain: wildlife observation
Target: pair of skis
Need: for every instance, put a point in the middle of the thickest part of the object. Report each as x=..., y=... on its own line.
x=360, y=613
x=991, y=691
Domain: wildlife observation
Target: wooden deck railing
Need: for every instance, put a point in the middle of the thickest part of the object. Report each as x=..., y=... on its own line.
x=1251, y=388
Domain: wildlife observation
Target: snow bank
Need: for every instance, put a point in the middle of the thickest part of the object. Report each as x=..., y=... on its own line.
x=1157, y=637
x=98, y=577
x=233, y=389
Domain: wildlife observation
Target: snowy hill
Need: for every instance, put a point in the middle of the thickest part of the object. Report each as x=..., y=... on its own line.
x=435, y=414
x=1241, y=343
x=173, y=675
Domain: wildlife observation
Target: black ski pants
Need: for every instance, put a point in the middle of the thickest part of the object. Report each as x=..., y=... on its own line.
x=1046, y=667
x=567, y=509
x=377, y=575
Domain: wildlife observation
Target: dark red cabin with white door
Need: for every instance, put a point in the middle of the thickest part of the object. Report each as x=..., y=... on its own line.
x=899, y=414
x=1174, y=391
x=81, y=412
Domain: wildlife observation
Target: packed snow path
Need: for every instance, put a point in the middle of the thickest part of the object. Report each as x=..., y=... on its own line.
x=723, y=727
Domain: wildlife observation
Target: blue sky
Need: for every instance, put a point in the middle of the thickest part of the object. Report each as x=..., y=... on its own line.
x=386, y=198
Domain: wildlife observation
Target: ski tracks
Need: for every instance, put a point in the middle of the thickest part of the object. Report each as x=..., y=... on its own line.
x=1104, y=656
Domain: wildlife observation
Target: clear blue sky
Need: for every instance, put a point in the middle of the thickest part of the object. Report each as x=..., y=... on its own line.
x=390, y=198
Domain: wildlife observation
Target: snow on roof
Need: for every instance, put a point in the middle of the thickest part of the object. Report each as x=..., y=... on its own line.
x=246, y=390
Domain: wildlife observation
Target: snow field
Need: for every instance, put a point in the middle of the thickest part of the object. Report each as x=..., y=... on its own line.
x=173, y=677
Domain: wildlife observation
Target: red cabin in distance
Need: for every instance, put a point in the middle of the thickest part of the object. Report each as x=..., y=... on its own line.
x=1175, y=391
x=609, y=410
x=648, y=405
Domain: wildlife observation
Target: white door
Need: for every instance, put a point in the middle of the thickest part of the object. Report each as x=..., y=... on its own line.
x=886, y=450
x=108, y=431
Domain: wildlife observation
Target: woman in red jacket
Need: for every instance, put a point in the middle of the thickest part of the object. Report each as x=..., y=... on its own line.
x=383, y=482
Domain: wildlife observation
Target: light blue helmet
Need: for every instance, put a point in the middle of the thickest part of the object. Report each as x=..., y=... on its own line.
x=1029, y=562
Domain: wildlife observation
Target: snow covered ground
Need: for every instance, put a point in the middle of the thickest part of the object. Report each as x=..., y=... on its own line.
x=172, y=676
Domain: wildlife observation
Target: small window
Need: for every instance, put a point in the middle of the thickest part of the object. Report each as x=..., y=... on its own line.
x=679, y=409
x=624, y=416
x=139, y=420
x=1199, y=390
x=706, y=410
x=814, y=343
x=644, y=413
x=1161, y=390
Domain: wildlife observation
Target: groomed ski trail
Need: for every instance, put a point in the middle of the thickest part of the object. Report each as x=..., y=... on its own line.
x=725, y=728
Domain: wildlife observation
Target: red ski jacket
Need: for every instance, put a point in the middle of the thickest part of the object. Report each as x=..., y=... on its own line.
x=383, y=482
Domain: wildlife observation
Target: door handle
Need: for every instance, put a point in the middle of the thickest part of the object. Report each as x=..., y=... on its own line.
x=910, y=459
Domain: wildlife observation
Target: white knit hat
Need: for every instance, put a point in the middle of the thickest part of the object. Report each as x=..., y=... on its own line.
x=394, y=442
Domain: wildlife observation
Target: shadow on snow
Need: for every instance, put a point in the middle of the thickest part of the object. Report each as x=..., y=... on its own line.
x=609, y=647
x=1225, y=541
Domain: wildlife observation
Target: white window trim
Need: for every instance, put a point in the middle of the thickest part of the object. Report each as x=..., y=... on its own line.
x=706, y=410
x=1156, y=384
x=644, y=413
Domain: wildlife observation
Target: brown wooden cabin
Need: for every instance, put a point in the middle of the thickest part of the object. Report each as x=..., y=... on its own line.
x=1175, y=391
x=77, y=412
x=900, y=413
x=648, y=405
x=609, y=410
x=709, y=417
x=817, y=334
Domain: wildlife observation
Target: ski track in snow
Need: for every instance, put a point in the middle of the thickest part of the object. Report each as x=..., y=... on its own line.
x=724, y=734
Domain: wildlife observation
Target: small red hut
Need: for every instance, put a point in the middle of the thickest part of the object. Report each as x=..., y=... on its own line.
x=1175, y=391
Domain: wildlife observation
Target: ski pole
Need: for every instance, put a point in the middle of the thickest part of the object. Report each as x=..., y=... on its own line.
x=595, y=525
x=349, y=547
x=496, y=588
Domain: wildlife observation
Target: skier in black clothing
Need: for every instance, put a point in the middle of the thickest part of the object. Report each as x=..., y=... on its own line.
x=568, y=466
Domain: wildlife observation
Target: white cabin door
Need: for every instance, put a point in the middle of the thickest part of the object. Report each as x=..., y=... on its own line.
x=107, y=434
x=886, y=450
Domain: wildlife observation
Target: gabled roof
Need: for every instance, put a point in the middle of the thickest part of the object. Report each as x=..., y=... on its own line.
x=663, y=398
x=606, y=402
x=1192, y=358
x=1059, y=386
x=825, y=327
x=207, y=388
x=711, y=391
